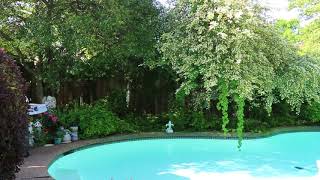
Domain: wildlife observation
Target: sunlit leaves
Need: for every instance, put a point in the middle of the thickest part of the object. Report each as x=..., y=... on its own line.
x=226, y=49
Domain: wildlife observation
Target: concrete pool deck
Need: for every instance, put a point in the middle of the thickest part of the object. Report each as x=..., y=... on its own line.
x=36, y=165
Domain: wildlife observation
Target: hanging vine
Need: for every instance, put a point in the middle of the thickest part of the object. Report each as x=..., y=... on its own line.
x=240, y=116
x=222, y=105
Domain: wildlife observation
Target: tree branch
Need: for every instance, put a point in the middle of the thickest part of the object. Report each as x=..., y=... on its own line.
x=20, y=55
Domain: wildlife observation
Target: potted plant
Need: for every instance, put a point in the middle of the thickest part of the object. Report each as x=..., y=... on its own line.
x=59, y=136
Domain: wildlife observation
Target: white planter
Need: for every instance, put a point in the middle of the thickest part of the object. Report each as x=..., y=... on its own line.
x=74, y=136
x=74, y=128
x=66, y=138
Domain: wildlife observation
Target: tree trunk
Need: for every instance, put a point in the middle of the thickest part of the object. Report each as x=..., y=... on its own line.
x=37, y=91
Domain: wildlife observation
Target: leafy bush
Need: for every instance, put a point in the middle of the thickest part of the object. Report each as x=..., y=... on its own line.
x=311, y=112
x=191, y=120
x=199, y=122
x=13, y=117
x=146, y=122
x=70, y=114
x=116, y=102
x=97, y=122
x=42, y=137
x=94, y=121
x=181, y=118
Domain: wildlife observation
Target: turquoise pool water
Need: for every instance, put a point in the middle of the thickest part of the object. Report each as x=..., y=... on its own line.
x=286, y=156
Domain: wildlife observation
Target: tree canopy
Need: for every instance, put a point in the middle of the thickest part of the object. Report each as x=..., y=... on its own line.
x=226, y=50
x=309, y=34
x=61, y=40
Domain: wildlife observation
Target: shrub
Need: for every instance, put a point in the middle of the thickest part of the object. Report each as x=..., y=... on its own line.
x=146, y=122
x=94, y=121
x=180, y=117
x=199, y=122
x=97, y=122
x=117, y=102
x=311, y=112
x=70, y=115
x=13, y=117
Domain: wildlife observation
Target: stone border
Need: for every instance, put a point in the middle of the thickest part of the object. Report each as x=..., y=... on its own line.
x=193, y=135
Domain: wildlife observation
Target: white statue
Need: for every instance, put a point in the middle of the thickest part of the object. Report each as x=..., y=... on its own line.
x=169, y=127
x=30, y=136
x=50, y=102
x=27, y=99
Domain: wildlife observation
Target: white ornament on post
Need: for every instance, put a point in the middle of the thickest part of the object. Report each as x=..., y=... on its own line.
x=50, y=102
x=169, y=127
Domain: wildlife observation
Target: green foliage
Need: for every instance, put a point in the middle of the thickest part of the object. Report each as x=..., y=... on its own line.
x=310, y=39
x=214, y=40
x=42, y=137
x=64, y=40
x=222, y=105
x=97, y=122
x=308, y=7
x=147, y=122
x=13, y=117
x=116, y=102
x=188, y=119
x=94, y=121
x=289, y=29
x=240, y=116
x=309, y=34
x=70, y=114
x=60, y=134
x=311, y=112
x=179, y=116
x=199, y=122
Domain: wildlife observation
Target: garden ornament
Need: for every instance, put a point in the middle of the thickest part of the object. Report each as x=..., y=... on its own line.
x=67, y=136
x=50, y=102
x=30, y=135
x=74, y=133
x=169, y=127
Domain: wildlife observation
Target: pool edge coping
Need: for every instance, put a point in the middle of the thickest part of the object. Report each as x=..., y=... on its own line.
x=185, y=135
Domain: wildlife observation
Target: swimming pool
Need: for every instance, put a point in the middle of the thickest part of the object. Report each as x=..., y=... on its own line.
x=291, y=156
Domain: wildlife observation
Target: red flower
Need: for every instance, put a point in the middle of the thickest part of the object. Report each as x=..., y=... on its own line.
x=54, y=119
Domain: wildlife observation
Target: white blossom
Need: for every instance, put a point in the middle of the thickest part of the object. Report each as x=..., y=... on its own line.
x=230, y=15
x=238, y=14
x=247, y=32
x=213, y=25
x=210, y=15
x=223, y=35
